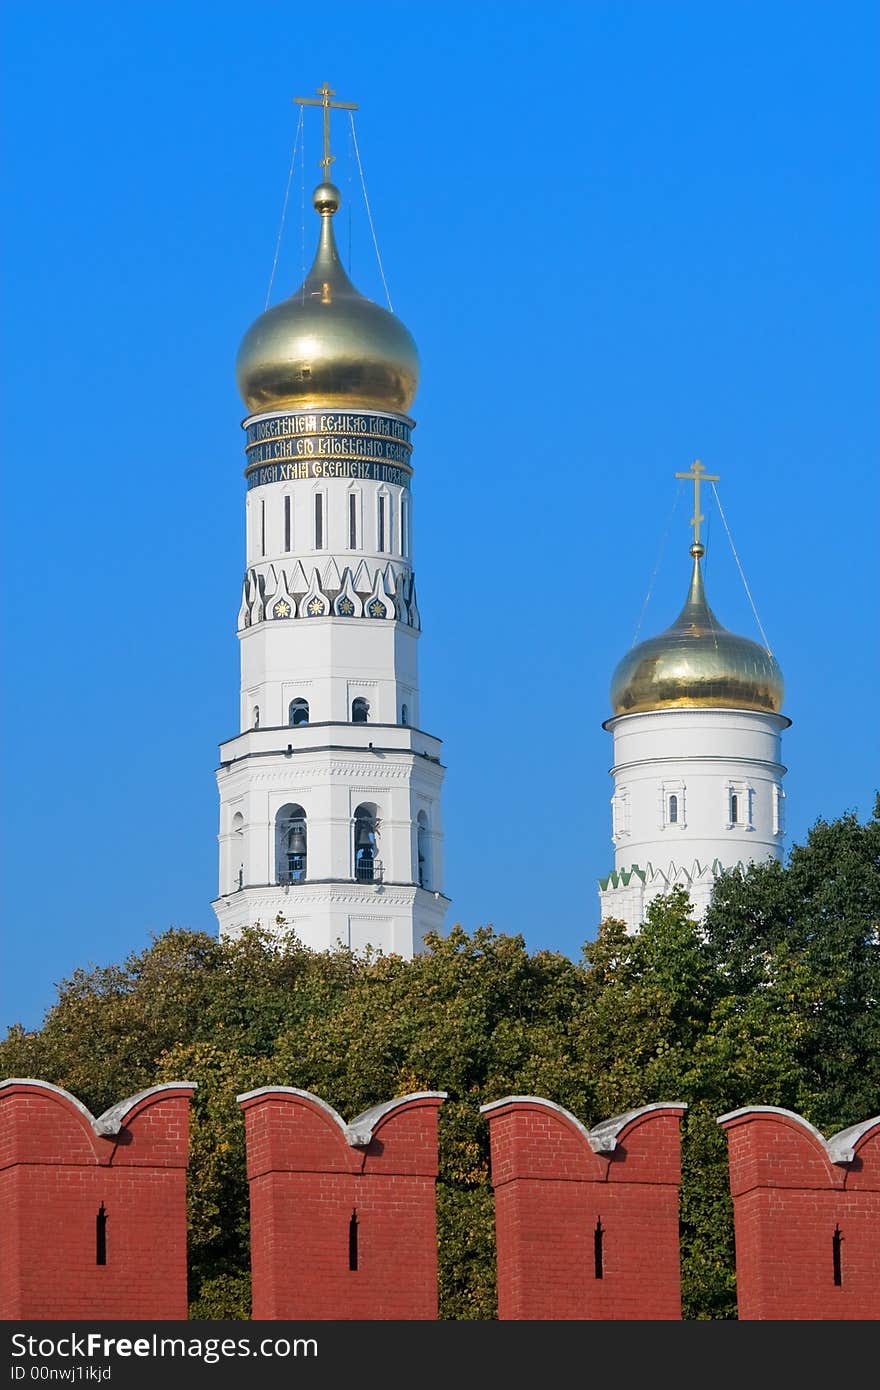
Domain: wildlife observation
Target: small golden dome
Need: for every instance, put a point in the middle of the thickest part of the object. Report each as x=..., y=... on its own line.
x=327, y=344
x=697, y=664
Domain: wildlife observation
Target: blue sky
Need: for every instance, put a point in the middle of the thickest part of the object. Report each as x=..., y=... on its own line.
x=623, y=235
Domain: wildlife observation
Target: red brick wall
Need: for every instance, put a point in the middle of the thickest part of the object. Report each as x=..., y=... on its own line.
x=552, y=1190
x=789, y=1196
x=306, y=1179
x=56, y=1170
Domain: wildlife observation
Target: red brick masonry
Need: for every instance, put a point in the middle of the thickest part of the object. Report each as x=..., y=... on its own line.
x=58, y=1166
x=586, y=1221
x=806, y=1216
x=343, y=1222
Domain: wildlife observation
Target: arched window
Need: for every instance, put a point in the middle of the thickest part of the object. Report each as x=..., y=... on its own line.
x=365, y=844
x=673, y=810
x=404, y=714
x=424, y=850
x=404, y=525
x=238, y=847
x=291, y=845
x=620, y=814
x=383, y=526
x=298, y=713
x=256, y=718
x=360, y=710
x=353, y=510
x=734, y=809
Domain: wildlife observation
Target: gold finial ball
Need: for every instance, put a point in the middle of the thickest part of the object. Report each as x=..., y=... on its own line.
x=326, y=198
x=698, y=551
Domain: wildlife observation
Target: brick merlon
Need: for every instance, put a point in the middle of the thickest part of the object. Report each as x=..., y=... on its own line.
x=359, y=1133
x=108, y=1124
x=603, y=1137
x=840, y=1147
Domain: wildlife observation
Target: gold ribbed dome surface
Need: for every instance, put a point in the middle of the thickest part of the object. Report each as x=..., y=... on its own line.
x=697, y=664
x=327, y=345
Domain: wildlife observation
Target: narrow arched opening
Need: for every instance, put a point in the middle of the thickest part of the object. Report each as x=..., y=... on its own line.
x=366, y=844
x=291, y=844
x=423, y=844
x=238, y=848
x=298, y=713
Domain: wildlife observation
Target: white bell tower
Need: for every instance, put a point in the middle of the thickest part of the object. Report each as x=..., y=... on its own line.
x=330, y=819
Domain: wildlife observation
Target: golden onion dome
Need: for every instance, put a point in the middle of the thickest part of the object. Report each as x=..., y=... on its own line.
x=697, y=664
x=327, y=345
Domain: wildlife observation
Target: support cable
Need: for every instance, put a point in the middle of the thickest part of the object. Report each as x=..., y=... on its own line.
x=741, y=571
x=284, y=207
x=302, y=215
x=660, y=554
x=349, y=203
x=369, y=213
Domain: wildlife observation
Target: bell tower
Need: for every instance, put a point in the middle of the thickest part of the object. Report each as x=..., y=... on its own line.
x=697, y=728
x=330, y=818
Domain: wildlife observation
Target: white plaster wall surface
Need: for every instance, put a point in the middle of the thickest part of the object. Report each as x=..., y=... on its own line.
x=394, y=921
x=265, y=507
x=329, y=787
x=338, y=658
x=700, y=756
x=630, y=903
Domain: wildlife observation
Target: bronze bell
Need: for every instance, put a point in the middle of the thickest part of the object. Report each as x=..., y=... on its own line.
x=364, y=836
x=296, y=843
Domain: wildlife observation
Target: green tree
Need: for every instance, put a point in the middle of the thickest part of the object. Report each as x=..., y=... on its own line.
x=799, y=950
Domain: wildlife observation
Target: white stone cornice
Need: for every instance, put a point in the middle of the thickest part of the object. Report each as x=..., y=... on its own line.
x=603, y=1137
x=840, y=1148
x=108, y=1124
x=357, y=1134
x=301, y=896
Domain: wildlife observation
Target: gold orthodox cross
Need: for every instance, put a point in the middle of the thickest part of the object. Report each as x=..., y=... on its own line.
x=698, y=475
x=323, y=99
